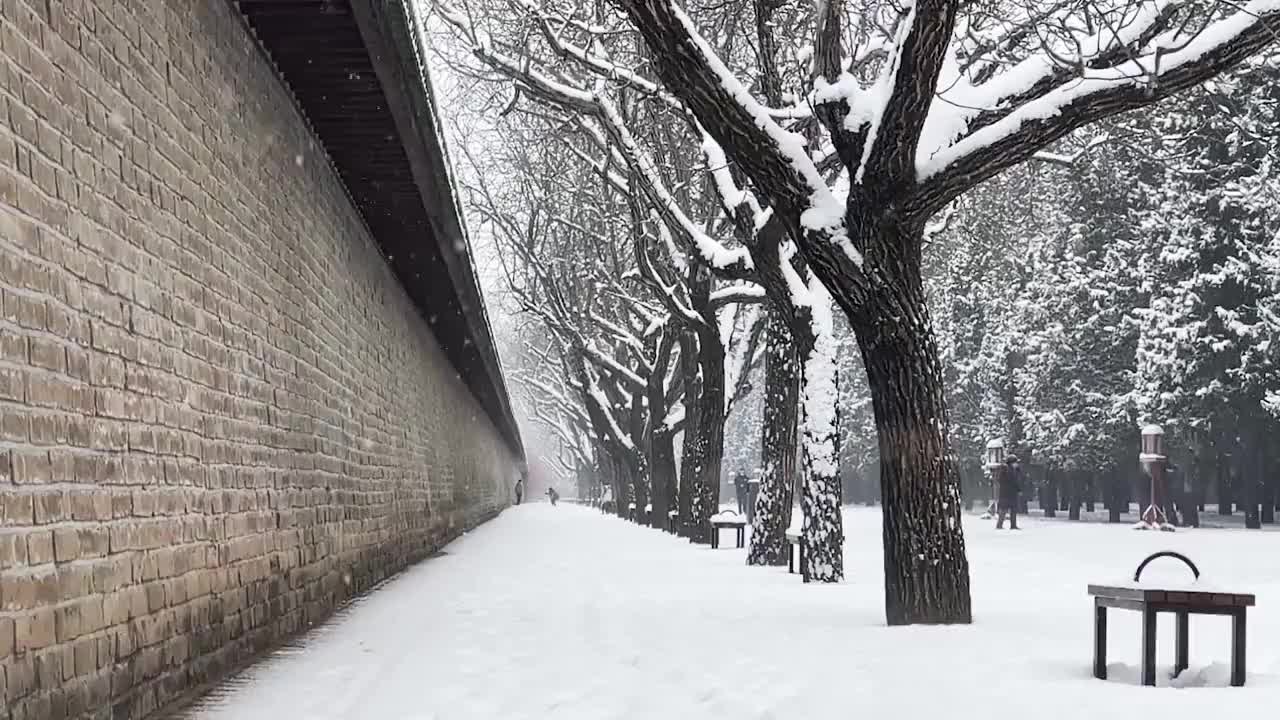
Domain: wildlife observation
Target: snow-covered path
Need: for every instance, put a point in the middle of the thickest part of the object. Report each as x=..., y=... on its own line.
x=564, y=613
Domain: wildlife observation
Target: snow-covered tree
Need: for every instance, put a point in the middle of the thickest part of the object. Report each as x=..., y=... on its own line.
x=844, y=149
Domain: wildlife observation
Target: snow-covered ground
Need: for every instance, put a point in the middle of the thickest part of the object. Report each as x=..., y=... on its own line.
x=564, y=613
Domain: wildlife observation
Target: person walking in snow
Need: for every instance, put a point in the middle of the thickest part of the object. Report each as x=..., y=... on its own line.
x=553, y=495
x=1009, y=484
x=519, y=490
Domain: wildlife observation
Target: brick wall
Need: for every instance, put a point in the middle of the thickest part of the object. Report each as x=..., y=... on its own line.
x=219, y=414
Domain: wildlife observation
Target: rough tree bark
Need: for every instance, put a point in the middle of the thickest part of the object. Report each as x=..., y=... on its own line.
x=662, y=453
x=689, y=443
x=1223, y=487
x=822, y=538
x=926, y=570
x=709, y=440
x=778, y=447
x=638, y=461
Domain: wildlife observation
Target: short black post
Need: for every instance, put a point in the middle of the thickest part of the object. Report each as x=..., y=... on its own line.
x=1099, y=641
x=1182, y=642
x=1148, y=647
x=715, y=537
x=1237, y=648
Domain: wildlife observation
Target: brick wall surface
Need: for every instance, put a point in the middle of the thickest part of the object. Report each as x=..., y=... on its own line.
x=219, y=414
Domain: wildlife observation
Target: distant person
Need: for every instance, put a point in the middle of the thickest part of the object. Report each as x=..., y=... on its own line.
x=1009, y=483
x=553, y=495
x=519, y=490
x=741, y=488
x=1173, y=494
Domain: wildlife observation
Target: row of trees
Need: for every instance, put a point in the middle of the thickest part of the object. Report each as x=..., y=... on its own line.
x=1140, y=285
x=682, y=193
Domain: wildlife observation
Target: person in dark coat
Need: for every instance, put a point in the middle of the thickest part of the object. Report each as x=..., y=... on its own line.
x=519, y=490
x=1173, y=494
x=553, y=495
x=1009, y=479
x=741, y=489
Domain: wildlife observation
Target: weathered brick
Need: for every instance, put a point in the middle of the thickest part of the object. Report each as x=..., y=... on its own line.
x=23, y=310
x=26, y=589
x=16, y=508
x=94, y=541
x=51, y=506
x=86, y=656
x=74, y=581
x=48, y=354
x=40, y=547
x=63, y=393
x=34, y=630
x=13, y=347
x=6, y=639
x=13, y=384
x=31, y=467
x=78, y=362
x=106, y=370
x=13, y=428
x=66, y=544
x=13, y=549
x=21, y=678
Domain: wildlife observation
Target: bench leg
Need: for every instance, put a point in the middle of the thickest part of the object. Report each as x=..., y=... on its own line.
x=791, y=559
x=1237, y=648
x=742, y=537
x=1182, y=643
x=1100, y=641
x=1149, y=647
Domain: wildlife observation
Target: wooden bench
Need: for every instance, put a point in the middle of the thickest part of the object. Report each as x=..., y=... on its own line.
x=794, y=547
x=1183, y=603
x=722, y=521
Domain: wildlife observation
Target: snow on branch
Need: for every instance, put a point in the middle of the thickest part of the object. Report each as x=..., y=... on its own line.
x=619, y=333
x=616, y=369
x=775, y=159
x=711, y=251
x=668, y=293
x=1040, y=102
x=736, y=294
x=593, y=62
x=605, y=408
x=531, y=80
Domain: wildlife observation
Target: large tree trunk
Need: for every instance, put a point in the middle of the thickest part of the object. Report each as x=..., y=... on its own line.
x=1251, y=472
x=1223, y=488
x=822, y=538
x=689, y=444
x=662, y=450
x=638, y=457
x=709, y=440
x=925, y=568
x=662, y=459
x=778, y=447
x=1051, y=482
x=1266, y=490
